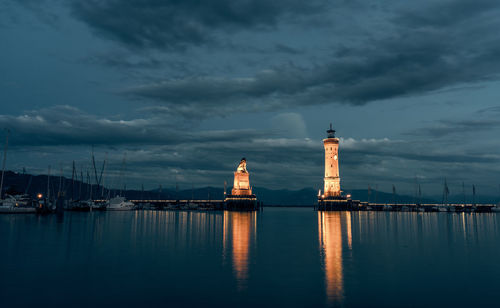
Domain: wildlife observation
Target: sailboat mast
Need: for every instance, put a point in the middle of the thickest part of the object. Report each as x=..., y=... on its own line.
x=446, y=192
x=416, y=190
x=103, y=175
x=463, y=191
x=419, y=194
x=176, y=187
x=4, y=162
x=473, y=194
x=89, y=184
x=48, y=185
x=81, y=182
x=26, y=190
x=59, y=193
x=393, y=194
x=95, y=170
x=122, y=171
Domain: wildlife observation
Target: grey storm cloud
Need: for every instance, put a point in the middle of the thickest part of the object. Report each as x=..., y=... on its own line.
x=173, y=24
x=159, y=152
x=425, y=50
x=66, y=125
x=255, y=56
x=368, y=151
x=481, y=120
x=271, y=161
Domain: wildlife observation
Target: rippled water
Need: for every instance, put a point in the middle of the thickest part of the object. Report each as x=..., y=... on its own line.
x=292, y=257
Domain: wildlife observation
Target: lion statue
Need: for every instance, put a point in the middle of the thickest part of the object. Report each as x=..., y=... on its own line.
x=242, y=167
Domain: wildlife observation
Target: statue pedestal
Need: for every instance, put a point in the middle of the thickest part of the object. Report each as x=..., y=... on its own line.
x=241, y=185
x=241, y=197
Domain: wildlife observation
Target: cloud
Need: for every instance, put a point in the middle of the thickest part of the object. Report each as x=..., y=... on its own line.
x=121, y=60
x=173, y=25
x=422, y=51
x=290, y=124
x=48, y=11
x=298, y=163
x=282, y=48
x=163, y=153
x=404, y=49
x=360, y=152
x=66, y=125
x=481, y=120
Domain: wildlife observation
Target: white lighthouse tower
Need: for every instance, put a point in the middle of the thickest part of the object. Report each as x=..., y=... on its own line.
x=332, y=179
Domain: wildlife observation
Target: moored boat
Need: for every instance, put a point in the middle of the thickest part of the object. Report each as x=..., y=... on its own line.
x=80, y=205
x=11, y=205
x=120, y=204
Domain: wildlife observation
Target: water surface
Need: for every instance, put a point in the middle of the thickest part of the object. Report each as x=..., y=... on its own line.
x=292, y=257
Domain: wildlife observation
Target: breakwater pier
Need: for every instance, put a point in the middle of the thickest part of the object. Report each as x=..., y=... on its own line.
x=197, y=204
x=354, y=205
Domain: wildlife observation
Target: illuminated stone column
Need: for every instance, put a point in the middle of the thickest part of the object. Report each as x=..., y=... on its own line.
x=332, y=179
x=241, y=185
x=241, y=197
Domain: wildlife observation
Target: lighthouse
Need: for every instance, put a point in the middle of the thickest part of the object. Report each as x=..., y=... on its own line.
x=331, y=199
x=332, y=179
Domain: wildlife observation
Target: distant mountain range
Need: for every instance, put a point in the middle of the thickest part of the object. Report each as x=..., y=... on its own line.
x=35, y=184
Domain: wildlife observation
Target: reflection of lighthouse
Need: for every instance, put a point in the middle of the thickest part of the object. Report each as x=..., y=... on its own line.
x=240, y=232
x=330, y=225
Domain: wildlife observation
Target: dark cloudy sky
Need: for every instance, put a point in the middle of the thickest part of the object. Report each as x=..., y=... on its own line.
x=186, y=88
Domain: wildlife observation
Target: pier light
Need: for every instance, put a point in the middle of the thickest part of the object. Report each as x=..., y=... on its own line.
x=348, y=196
x=39, y=196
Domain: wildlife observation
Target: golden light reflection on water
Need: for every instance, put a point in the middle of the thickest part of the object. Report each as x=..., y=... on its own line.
x=239, y=233
x=330, y=226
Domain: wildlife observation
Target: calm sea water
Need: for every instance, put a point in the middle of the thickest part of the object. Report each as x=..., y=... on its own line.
x=292, y=257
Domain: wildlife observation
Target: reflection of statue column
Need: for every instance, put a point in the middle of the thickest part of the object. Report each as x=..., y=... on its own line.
x=241, y=227
x=330, y=240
